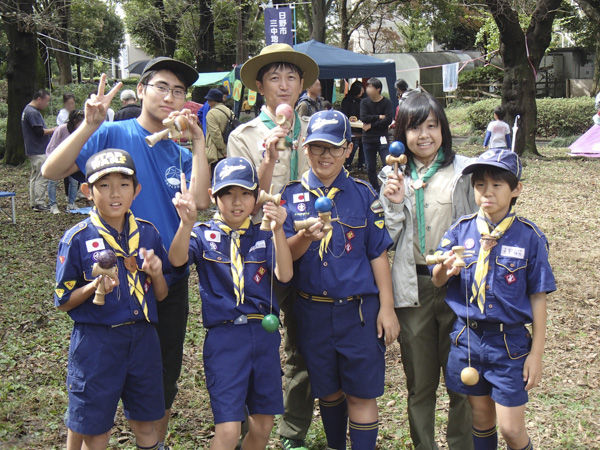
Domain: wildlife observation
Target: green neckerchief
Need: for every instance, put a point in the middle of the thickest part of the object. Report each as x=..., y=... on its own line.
x=297, y=127
x=419, y=195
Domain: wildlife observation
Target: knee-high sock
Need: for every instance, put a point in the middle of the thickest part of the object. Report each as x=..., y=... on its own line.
x=529, y=446
x=363, y=436
x=152, y=447
x=335, y=422
x=485, y=439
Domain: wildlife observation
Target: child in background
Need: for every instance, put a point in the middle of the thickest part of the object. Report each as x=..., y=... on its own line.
x=234, y=260
x=502, y=288
x=114, y=352
x=497, y=134
x=344, y=306
x=432, y=192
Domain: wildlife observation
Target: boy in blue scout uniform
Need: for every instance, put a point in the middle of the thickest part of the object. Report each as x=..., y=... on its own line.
x=235, y=260
x=345, y=304
x=502, y=288
x=114, y=352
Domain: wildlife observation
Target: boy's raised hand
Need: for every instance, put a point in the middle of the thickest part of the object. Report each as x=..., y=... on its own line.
x=394, y=188
x=451, y=270
x=184, y=202
x=276, y=214
x=152, y=264
x=97, y=105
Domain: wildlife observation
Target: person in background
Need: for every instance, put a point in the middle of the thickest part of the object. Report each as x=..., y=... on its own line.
x=351, y=108
x=497, y=134
x=216, y=121
x=310, y=102
x=327, y=106
x=62, y=132
x=130, y=109
x=376, y=113
x=68, y=106
x=36, y=137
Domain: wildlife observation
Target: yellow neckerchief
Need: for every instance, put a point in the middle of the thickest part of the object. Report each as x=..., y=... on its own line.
x=319, y=193
x=487, y=242
x=235, y=255
x=133, y=241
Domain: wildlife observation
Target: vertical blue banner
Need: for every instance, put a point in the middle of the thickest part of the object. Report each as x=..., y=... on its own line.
x=278, y=25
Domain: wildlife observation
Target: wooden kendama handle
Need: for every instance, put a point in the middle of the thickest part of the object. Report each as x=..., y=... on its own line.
x=440, y=259
x=395, y=161
x=101, y=290
x=174, y=129
x=307, y=223
x=264, y=197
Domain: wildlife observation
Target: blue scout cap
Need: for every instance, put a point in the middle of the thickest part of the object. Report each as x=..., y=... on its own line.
x=234, y=172
x=498, y=157
x=330, y=126
x=215, y=95
x=108, y=161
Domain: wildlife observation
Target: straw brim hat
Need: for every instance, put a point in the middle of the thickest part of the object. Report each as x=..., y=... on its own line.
x=279, y=53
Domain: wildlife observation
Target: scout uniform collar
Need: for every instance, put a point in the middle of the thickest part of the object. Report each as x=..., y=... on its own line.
x=312, y=183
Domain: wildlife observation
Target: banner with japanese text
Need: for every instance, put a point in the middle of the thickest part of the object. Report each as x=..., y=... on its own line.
x=278, y=25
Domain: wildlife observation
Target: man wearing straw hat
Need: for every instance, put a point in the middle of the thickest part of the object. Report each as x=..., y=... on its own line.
x=279, y=74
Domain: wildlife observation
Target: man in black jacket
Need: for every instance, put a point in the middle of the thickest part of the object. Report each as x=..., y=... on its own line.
x=351, y=107
x=376, y=113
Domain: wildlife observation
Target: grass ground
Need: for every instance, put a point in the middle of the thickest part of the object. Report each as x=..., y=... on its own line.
x=561, y=196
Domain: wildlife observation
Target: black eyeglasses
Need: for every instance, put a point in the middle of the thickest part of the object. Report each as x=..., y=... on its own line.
x=164, y=90
x=319, y=150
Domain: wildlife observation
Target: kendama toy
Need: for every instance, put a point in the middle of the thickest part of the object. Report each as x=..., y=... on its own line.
x=396, y=156
x=440, y=259
x=105, y=266
x=264, y=197
x=175, y=126
x=283, y=117
x=323, y=205
x=270, y=323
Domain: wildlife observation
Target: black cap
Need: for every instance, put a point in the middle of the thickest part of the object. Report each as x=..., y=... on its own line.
x=215, y=95
x=108, y=161
x=189, y=74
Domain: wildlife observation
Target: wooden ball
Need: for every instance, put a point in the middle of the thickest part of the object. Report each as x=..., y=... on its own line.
x=469, y=376
x=270, y=323
x=106, y=259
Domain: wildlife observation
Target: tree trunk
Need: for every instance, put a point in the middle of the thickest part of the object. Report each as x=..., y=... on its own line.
x=206, y=39
x=521, y=55
x=344, y=35
x=319, y=14
x=596, y=80
x=63, y=59
x=22, y=60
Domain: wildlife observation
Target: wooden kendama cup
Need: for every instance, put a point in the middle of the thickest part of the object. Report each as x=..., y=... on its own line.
x=105, y=266
x=396, y=156
x=264, y=197
x=175, y=128
x=323, y=205
x=440, y=259
x=283, y=117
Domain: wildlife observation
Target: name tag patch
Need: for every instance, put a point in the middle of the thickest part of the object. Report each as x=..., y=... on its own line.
x=512, y=252
x=259, y=244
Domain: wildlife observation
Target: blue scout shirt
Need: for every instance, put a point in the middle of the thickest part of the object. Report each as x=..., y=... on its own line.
x=518, y=268
x=76, y=256
x=358, y=237
x=209, y=251
x=158, y=170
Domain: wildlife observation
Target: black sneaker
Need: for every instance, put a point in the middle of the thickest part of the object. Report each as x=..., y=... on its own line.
x=293, y=444
x=41, y=208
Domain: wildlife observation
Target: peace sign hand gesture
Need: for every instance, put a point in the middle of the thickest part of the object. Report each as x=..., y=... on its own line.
x=97, y=105
x=185, y=204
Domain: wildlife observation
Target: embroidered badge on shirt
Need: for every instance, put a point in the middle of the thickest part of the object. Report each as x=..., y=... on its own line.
x=512, y=252
x=259, y=244
x=350, y=235
x=59, y=292
x=147, y=284
x=446, y=242
x=469, y=243
x=379, y=224
x=213, y=246
x=260, y=273
x=212, y=236
x=348, y=247
x=510, y=278
x=61, y=259
x=377, y=207
x=301, y=197
x=69, y=284
x=93, y=245
x=301, y=207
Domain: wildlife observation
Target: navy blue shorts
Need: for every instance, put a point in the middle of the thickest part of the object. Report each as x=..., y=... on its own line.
x=107, y=364
x=499, y=358
x=243, y=369
x=340, y=351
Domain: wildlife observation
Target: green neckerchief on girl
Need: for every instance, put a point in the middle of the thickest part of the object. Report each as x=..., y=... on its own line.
x=418, y=186
x=297, y=127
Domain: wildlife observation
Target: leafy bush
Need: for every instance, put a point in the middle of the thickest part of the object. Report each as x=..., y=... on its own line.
x=487, y=74
x=563, y=142
x=560, y=117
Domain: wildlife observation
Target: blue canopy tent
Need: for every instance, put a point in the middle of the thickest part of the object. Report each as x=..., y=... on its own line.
x=336, y=63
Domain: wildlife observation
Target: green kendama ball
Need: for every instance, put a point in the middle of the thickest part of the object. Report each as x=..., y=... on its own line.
x=270, y=323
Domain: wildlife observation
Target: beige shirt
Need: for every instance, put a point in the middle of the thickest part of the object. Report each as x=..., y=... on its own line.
x=248, y=141
x=216, y=121
x=438, y=208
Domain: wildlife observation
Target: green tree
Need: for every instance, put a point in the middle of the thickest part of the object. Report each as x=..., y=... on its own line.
x=591, y=8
